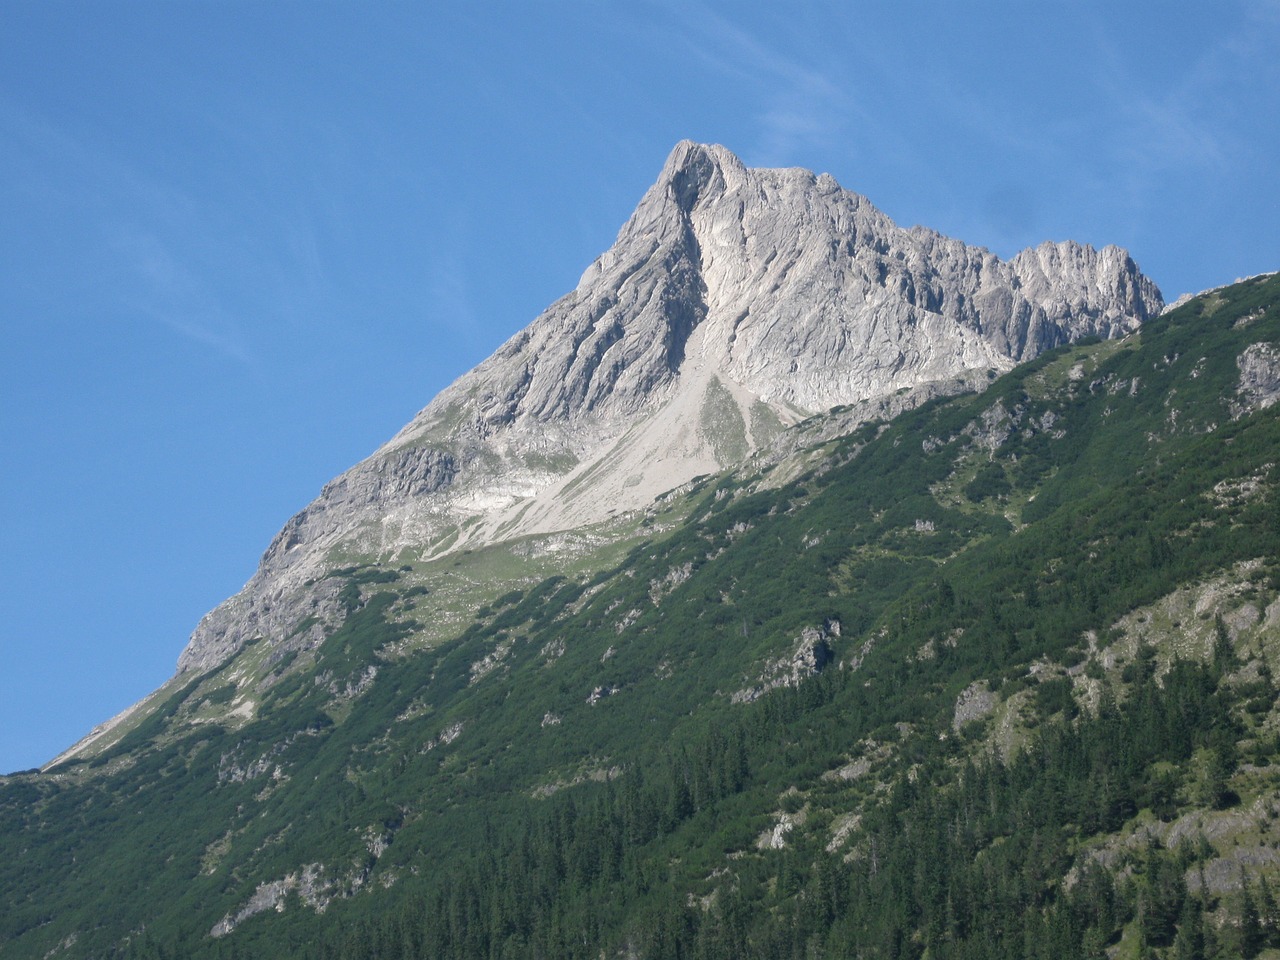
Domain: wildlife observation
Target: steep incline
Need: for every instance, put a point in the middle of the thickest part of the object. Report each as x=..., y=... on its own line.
x=999, y=671
x=734, y=303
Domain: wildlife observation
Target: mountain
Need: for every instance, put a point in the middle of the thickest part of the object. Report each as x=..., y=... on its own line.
x=981, y=672
x=734, y=303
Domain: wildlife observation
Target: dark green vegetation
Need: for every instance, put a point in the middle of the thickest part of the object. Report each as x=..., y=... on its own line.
x=1047, y=729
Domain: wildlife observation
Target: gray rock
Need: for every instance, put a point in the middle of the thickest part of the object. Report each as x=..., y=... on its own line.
x=975, y=702
x=1259, y=378
x=734, y=303
x=810, y=654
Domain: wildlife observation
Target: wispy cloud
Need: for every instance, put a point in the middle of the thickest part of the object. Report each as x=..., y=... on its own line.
x=449, y=298
x=167, y=291
x=137, y=243
x=1157, y=126
x=1267, y=11
x=802, y=104
x=63, y=167
x=1189, y=129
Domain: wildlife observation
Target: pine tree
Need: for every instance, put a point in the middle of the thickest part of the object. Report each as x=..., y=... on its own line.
x=1251, y=933
x=1269, y=911
x=1093, y=946
x=1189, y=943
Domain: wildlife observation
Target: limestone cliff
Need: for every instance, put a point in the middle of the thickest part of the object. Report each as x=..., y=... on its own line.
x=734, y=303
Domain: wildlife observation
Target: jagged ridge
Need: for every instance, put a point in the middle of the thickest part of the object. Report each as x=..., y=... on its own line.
x=734, y=302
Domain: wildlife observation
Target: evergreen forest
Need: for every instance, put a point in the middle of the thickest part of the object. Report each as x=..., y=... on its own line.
x=993, y=679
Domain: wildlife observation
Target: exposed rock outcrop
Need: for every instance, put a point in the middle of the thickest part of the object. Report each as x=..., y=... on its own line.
x=1259, y=378
x=811, y=653
x=975, y=702
x=734, y=303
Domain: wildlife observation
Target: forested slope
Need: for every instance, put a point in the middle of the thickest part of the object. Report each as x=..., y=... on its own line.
x=993, y=679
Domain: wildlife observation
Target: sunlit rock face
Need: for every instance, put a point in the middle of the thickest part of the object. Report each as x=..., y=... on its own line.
x=734, y=303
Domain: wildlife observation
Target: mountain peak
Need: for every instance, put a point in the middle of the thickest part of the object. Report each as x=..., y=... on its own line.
x=734, y=303
x=694, y=170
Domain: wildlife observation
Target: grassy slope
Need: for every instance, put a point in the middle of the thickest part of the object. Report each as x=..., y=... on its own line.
x=1015, y=540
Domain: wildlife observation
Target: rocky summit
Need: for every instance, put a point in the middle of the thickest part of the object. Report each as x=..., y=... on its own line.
x=734, y=303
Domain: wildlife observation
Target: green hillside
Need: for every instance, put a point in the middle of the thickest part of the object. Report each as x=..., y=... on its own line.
x=994, y=679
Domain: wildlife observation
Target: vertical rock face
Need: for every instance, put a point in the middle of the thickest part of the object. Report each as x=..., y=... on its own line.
x=734, y=302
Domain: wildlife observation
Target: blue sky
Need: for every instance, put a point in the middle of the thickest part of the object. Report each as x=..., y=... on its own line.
x=242, y=243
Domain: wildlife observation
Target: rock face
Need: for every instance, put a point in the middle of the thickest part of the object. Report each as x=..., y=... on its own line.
x=1259, y=378
x=734, y=303
x=811, y=653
